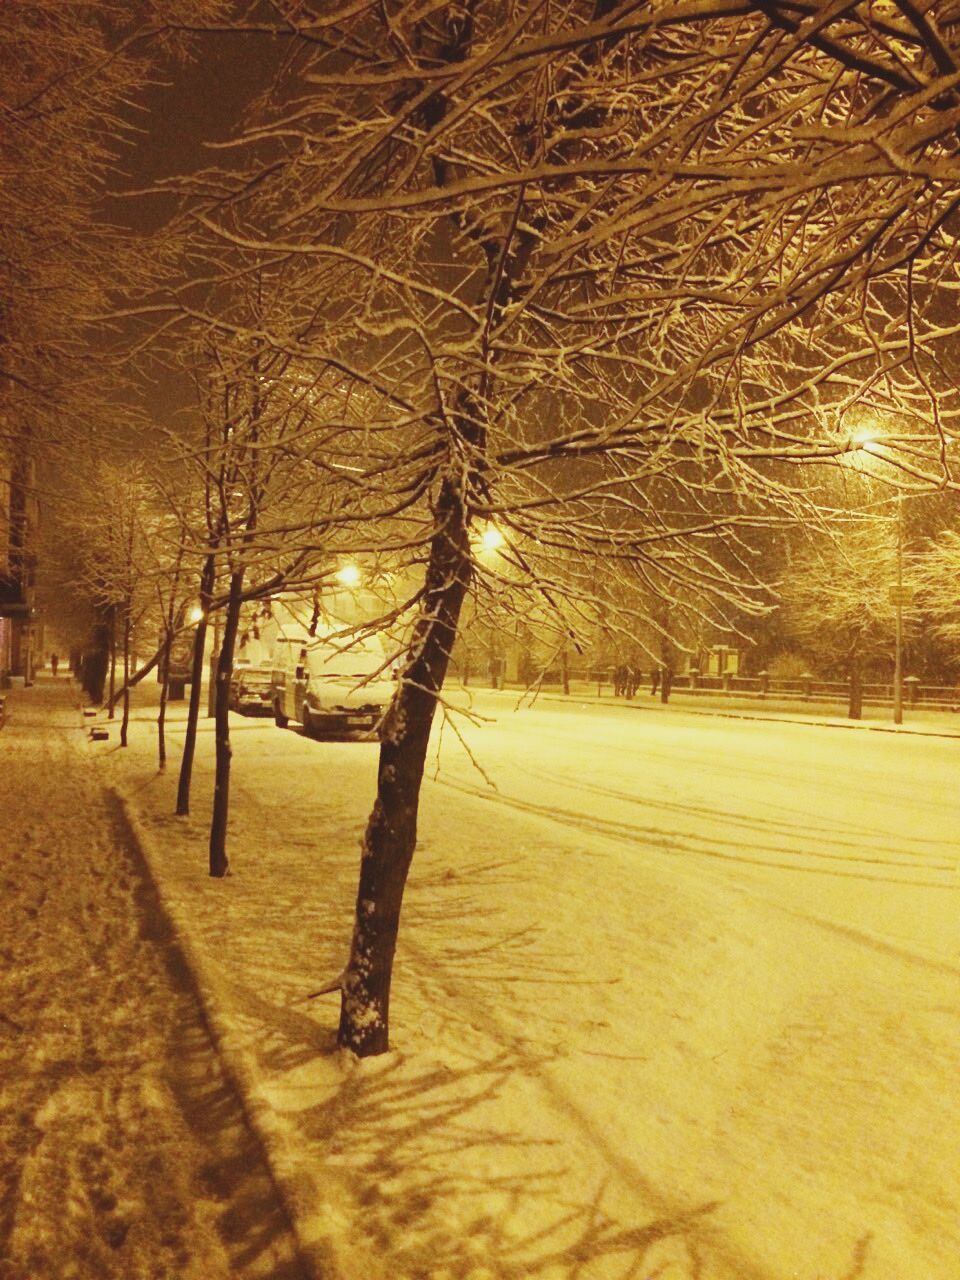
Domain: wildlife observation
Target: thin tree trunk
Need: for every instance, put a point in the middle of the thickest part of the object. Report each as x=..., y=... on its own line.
x=164, y=691
x=196, y=676
x=165, y=665
x=125, y=722
x=113, y=665
x=219, y=863
x=667, y=657
x=96, y=662
x=855, y=709
x=666, y=684
x=391, y=833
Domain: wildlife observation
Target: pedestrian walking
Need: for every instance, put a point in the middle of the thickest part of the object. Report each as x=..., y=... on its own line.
x=654, y=681
x=630, y=678
x=54, y=663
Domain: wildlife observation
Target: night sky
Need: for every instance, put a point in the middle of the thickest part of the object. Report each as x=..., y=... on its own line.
x=193, y=104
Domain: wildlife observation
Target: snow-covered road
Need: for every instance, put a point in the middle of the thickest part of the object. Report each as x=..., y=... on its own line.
x=823, y=821
x=680, y=998
x=786, y=896
x=123, y=1153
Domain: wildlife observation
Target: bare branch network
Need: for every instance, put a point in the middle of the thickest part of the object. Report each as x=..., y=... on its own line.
x=629, y=283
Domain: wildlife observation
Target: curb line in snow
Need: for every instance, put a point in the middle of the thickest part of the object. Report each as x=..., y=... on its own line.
x=772, y=717
x=905, y=731
x=314, y=1260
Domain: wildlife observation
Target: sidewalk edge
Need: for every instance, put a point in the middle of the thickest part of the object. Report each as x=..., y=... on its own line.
x=745, y=713
x=246, y=1085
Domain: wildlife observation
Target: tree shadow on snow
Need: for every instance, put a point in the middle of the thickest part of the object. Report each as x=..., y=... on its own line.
x=466, y=1151
x=432, y=1151
x=440, y=1190
x=250, y=1218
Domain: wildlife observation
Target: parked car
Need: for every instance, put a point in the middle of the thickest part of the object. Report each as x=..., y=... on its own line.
x=335, y=688
x=251, y=691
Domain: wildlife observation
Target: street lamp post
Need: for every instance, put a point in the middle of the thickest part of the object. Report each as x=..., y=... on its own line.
x=898, y=605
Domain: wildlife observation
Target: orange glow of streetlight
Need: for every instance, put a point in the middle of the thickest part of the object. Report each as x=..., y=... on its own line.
x=864, y=437
x=348, y=576
x=491, y=538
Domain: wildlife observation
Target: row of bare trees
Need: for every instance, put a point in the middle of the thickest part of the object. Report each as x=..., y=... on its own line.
x=620, y=279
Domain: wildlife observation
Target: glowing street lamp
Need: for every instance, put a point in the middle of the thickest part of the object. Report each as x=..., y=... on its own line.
x=491, y=539
x=864, y=437
x=196, y=613
x=348, y=576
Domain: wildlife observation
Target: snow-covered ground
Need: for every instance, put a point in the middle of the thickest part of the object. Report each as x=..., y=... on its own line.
x=677, y=999
x=124, y=1154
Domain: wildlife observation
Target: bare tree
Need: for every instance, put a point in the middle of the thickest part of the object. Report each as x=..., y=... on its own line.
x=271, y=509
x=123, y=564
x=570, y=263
x=580, y=260
x=934, y=573
x=837, y=597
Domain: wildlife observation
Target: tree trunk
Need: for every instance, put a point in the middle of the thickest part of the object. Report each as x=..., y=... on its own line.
x=164, y=690
x=667, y=654
x=111, y=699
x=165, y=652
x=196, y=675
x=666, y=684
x=855, y=709
x=219, y=863
x=125, y=722
x=95, y=664
x=391, y=833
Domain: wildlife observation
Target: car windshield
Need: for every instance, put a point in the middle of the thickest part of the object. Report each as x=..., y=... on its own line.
x=253, y=677
x=359, y=662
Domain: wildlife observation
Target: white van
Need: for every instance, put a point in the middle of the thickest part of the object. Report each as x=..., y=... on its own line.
x=333, y=687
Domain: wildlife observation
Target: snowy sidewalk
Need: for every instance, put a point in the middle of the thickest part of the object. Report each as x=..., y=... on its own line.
x=637, y=1034
x=921, y=721
x=123, y=1153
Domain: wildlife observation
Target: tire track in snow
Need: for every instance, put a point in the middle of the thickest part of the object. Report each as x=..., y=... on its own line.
x=714, y=847
x=784, y=819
